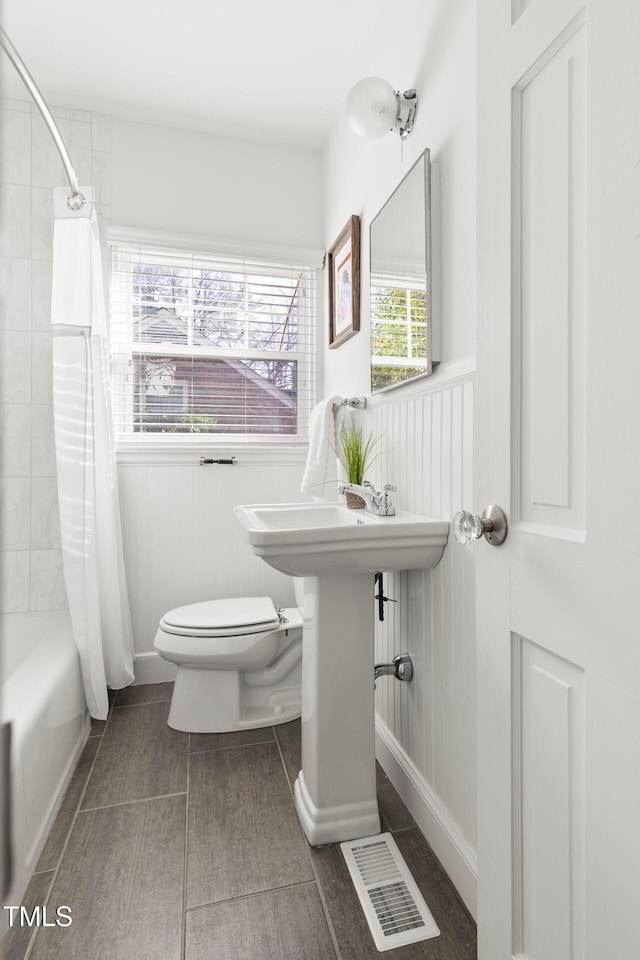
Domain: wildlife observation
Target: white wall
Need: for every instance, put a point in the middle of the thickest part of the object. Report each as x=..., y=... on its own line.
x=176, y=180
x=182, y=543
x=426, y=729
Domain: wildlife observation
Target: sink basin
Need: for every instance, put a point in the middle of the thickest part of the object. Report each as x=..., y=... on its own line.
x=312, y=539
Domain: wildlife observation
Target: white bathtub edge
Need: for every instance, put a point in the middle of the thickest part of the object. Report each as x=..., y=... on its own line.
x=63, y=785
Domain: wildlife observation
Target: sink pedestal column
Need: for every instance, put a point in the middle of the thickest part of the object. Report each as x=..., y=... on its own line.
x=335, y=792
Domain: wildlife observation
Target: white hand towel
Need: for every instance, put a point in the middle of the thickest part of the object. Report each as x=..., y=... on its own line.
x=321, y=470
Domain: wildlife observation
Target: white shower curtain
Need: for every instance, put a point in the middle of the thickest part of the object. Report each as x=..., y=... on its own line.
x=87, y=485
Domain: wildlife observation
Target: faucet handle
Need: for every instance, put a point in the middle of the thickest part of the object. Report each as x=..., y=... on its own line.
x=388, y=509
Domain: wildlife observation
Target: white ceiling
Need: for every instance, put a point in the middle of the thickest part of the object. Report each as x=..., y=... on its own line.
x=260, y=69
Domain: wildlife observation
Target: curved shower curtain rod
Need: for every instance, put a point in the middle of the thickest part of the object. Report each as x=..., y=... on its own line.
x=76, y=201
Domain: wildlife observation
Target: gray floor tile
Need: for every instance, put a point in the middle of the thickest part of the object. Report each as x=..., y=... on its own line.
x=50, y=856
x=289, y=737
x=458, y=929
x=98, y=726
x=393, y=813
x=144, y=693
x=457, y=937
x=381, y=776
x=243, y=835
x=286, y=924
x=140, y=757
x=122, y=876
x=201, y=742
x=17, y=940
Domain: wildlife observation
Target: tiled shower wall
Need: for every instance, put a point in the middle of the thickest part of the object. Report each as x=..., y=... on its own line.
x=30, y=558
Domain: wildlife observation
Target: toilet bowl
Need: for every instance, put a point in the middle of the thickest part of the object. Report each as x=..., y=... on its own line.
x=238, y=663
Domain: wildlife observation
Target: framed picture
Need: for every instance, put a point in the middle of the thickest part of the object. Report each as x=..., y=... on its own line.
x=344, y=284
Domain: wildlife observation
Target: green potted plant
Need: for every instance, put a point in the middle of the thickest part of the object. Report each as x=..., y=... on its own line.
x=355, y=453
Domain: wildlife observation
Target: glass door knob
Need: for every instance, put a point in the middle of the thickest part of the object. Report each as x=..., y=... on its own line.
x=466, y=527
x=492, y=525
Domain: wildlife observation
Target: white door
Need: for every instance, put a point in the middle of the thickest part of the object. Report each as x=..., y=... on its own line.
x=558, y=447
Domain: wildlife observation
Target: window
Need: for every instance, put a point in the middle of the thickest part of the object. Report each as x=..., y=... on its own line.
x=398, y=329
x=211, y=346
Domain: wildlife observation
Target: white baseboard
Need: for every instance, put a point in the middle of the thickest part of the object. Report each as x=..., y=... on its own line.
x=456, y=854
x=152, y=668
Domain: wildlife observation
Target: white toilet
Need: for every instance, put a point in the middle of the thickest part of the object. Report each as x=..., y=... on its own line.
x=239, y=663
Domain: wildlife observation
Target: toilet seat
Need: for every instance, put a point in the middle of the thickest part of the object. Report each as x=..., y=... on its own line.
x=222, y=618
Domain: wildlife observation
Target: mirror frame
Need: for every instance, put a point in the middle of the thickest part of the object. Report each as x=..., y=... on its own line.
x=424, y=158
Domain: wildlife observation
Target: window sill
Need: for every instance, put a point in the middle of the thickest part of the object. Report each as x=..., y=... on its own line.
x=189, y=451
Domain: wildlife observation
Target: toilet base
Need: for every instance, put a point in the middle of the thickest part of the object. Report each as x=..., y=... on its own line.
x=216, y=701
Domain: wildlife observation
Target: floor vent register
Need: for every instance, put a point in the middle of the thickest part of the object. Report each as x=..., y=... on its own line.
x=393, y=906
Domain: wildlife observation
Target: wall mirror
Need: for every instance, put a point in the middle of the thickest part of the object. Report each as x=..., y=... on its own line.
x=400, y=282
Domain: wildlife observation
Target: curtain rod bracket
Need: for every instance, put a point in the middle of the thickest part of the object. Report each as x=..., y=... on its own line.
x=76, y=201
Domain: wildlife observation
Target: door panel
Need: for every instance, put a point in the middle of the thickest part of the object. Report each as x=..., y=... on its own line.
x=558, y=394
x=548, y=317
x=548, y=802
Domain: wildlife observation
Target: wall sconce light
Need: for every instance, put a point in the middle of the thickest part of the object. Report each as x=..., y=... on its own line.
x=374, y=108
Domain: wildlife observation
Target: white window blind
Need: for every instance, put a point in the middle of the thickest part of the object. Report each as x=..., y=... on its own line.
x=398, y=329
x=218, y=347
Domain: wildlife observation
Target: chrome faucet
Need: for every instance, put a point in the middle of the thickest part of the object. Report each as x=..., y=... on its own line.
x=378, y=503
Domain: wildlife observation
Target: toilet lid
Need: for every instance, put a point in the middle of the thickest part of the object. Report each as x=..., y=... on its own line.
x=224, y=617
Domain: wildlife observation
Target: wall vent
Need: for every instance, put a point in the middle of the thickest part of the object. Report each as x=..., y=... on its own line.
x=393, y=906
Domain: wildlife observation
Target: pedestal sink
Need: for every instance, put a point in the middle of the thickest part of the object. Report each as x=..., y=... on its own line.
x=337, y=551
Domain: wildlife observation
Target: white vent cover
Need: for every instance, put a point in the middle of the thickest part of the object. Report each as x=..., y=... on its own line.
x=393, y=905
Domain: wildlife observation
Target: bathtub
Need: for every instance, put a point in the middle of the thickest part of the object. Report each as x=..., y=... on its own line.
x=42, y=697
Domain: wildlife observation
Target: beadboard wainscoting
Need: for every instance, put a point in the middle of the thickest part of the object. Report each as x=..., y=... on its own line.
x=426, y=729
x=182, y=542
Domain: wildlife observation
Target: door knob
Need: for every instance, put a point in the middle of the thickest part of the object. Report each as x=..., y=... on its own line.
x=492, y=525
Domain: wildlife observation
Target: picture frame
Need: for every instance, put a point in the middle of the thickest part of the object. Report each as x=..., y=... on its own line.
x=344, y=284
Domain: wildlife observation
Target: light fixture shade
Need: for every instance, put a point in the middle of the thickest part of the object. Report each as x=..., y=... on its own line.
x=372, y=108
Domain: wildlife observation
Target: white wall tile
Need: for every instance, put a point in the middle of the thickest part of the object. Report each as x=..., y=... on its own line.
x=29, y=167
x=101, y=176
x=46, y=165
x=47, y=591
x=79, y=146
x=23, y=106
x=41, y=275
x=100, y=132
x=43, y=452
x=15, y=221
x=14, y=581
x=15, y=136
x=15, y=509
x=42, y=223
x=45, y=517
x=41, y=368
x=68, y=113
x=15, y=440
x=15, y=294
x=15, y=366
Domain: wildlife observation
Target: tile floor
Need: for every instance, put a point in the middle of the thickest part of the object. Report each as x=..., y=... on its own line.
x=170, y=846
